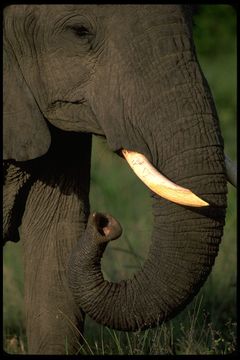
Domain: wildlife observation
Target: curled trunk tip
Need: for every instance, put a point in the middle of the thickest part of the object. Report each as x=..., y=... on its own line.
x=107, y=228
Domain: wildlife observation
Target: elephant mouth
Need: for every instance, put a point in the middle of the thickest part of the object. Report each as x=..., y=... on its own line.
x=73, y=115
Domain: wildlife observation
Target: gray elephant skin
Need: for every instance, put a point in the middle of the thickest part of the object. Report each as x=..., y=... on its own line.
x=128, y=73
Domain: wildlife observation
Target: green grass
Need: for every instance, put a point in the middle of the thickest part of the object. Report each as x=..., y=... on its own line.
x=208, y=324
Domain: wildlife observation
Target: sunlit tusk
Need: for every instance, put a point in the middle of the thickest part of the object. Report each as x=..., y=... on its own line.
x=231, y=168
x=159, y=183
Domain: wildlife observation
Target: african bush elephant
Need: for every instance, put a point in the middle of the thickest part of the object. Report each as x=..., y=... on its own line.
x=128, y=73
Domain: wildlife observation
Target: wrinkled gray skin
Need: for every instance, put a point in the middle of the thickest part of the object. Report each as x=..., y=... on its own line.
x=129, y=73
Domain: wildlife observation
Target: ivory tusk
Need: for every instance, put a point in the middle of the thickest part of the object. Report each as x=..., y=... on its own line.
x=159, y=183
x=231, y=169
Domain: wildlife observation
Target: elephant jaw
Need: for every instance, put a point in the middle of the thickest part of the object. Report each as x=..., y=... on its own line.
x=162, y=186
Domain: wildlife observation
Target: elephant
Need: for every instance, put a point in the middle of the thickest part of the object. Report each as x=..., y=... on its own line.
x=130, y=74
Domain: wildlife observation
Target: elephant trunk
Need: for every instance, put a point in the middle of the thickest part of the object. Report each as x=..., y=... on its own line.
x=184, y=245
x=173, y=122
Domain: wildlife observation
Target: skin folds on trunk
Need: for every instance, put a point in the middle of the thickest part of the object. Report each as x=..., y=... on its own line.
x=185, y=242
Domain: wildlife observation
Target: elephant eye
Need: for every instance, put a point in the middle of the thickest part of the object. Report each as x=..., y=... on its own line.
x=80, y=31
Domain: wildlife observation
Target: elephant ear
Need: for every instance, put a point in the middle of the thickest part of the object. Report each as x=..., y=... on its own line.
x=25, y=132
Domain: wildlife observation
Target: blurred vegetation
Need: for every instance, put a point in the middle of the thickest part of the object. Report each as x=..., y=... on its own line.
x=216, y=45
x=208, y=324
x=215, y=30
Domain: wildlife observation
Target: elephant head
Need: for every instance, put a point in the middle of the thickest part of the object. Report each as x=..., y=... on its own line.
x=129, y=73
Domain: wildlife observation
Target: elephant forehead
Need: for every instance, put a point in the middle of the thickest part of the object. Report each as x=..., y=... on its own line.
x=131, y=13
